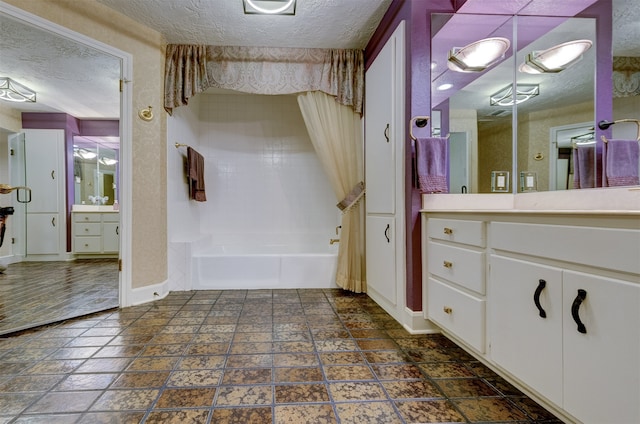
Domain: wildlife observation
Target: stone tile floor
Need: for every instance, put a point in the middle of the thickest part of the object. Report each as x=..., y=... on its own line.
x=261, y=356
x=37, y=293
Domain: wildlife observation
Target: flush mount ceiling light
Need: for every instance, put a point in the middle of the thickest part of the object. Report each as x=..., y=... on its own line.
x=555, y=59
x=505, y=96
x=477, y=56
x=15, y=92
x=269, y=7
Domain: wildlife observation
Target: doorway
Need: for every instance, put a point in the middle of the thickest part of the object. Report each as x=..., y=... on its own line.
x=562, y=143
x=20, y=25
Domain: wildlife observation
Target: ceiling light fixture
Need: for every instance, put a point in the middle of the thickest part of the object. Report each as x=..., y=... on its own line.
x=505, y=96
x=15, y=92
x=479, y=55
x=555, y=59
x=269, y=7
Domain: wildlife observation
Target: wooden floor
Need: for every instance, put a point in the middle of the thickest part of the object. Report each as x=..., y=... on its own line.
x=37, y=293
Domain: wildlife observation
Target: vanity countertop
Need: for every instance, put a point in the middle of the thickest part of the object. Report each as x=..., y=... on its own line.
x=93, y=208
x=609, y=201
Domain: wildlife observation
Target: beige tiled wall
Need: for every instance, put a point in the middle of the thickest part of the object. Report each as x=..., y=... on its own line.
x=149, y=232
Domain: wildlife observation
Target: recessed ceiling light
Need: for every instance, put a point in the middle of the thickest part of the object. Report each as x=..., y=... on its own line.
x=269, y=7
x=444, y=86
x=477, y=56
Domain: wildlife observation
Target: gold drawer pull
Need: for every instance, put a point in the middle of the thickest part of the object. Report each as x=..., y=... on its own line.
x=447, y=264
x=447, y=310
x=448, y=230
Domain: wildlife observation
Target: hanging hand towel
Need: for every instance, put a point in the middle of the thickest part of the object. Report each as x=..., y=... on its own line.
x=195, y=169
x=621, y=162
x=585, y=166
x=576, y=169
x=431, y=155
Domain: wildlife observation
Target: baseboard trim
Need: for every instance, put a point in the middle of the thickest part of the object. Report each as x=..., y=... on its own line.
x=139, y=296
x=415, y=323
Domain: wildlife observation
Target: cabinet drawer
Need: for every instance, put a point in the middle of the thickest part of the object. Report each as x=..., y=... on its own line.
x=111, y=217
x=462, y=266
x=610, y=248
x=459, y=313
x=87, y=244
x=87, y=229
x=86, y=217
x=457, y=230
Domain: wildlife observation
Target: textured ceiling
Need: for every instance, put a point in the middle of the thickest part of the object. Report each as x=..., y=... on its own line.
x=316, y=23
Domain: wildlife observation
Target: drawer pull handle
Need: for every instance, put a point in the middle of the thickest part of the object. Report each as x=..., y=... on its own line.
x=536, y=297
x=386, y=133
x=448, y=230
x=386, y=233
x=575, y=309
x=86, y=229
x=447, y=310
x=447, y=264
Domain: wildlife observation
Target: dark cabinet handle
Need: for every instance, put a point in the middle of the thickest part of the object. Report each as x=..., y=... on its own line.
x=386, y=233
x=536, y=297
x=117, y=230
x=575, y=308
x=386, y=133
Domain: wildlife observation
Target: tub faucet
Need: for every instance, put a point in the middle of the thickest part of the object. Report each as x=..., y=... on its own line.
x=332, y=241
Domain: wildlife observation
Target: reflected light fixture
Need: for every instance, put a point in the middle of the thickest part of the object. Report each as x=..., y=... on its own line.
x=477, y=56
x=505, y=96
x=269, y=7
x=555, y=59
x=107, y=161
x=14, y=92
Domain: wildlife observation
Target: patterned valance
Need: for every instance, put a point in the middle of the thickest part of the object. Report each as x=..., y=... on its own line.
x=191, y=69
x=626, y=76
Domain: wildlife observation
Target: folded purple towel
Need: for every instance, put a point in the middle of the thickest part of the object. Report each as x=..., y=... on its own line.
x=585, y=166
x=621, y=162
x=432, y=158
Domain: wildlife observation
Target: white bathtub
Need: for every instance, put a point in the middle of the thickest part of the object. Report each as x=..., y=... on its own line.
x=266, y=266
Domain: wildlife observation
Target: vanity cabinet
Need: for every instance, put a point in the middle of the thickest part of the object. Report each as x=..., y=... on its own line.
x=96, y=233
x=456, y=278
x=560, y=314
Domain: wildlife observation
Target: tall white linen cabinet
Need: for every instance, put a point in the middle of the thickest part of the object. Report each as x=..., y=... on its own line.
x=384, y=175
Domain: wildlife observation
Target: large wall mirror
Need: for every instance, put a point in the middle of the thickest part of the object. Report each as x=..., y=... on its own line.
x=534, y=132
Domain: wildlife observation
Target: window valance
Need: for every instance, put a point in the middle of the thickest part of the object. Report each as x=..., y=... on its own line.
x=191, y=69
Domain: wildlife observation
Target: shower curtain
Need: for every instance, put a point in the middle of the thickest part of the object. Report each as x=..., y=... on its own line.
x=332, y=85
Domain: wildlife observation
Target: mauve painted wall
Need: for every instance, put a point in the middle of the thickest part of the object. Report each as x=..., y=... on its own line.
x=417, y=14
x=72, y=127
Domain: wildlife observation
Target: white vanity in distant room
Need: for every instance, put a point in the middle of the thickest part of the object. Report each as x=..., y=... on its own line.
x=95, y=231
x=544, y=288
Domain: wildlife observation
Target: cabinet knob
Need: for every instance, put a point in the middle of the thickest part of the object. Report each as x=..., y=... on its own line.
x=447, y=264
x=448, y=230
x=447, y=310
x=86, y=245
x=86, y=229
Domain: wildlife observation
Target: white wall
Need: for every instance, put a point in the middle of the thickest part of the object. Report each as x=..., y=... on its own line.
x=263, y=180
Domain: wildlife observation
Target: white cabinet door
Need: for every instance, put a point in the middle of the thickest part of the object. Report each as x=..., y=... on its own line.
x=380, y=142
x=381, y=257
x=526, y=339
x=111, y=237
x=601, y=365
x=44, y=150
x=43, y=233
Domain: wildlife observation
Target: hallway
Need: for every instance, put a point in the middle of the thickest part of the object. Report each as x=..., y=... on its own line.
x=37, y=293
x=261, y=356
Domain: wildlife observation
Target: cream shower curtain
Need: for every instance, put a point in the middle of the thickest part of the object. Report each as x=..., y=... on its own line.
x=336, y=135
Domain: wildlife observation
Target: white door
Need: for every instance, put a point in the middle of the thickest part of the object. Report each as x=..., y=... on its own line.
x=459, y=163
x=379, y=131
x=43, y=233
x=381, y=257
x=111, y=237
x=44, y=152
x=601, y=364
x=526, y=323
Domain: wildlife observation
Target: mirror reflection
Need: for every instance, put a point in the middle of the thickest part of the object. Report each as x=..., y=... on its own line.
x=95, y=170
x=544, y=134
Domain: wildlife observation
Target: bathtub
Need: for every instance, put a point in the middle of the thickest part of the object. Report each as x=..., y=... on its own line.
x=264, y=266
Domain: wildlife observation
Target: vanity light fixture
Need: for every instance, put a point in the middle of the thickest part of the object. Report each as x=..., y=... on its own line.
x=477, y=56
x=14, y=92
x=505, y=96
x=107, y=161
x=555, y=59
x=84, y=153
x=269, y=7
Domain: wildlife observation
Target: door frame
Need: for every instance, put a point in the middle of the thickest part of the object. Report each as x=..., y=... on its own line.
x=126, y=135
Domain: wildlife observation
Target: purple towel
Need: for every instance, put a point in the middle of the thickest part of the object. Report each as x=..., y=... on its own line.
x=621, y=162
x=195, y=173
x=432, y=157
x=585, y=165
x=576, y=169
